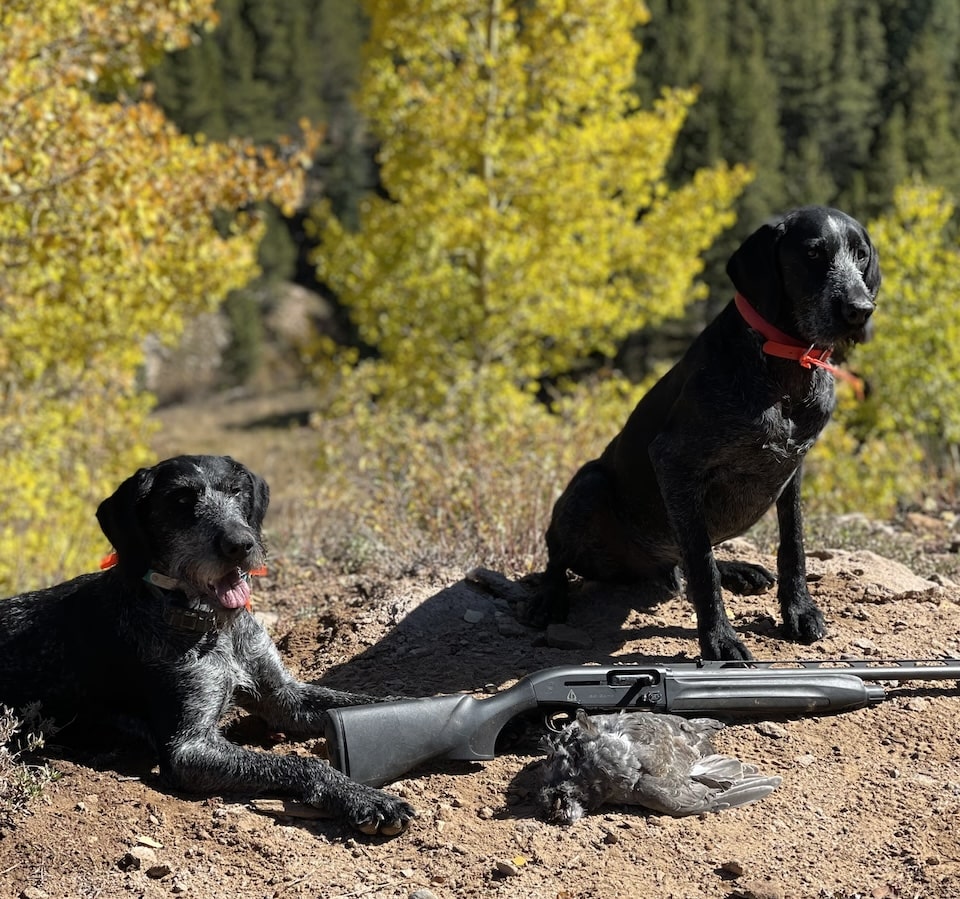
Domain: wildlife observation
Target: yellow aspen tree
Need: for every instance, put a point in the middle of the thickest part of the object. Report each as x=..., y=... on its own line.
x=106, y=236
x=526, y=226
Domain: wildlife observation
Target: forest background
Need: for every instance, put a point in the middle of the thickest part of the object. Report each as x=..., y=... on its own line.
x=508, y=221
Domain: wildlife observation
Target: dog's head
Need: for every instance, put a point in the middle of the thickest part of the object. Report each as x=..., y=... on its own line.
x=196, y=519
x=813, y=273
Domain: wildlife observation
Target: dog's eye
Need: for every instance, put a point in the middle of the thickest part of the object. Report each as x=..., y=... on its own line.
x=814, y=252
x=184, y=498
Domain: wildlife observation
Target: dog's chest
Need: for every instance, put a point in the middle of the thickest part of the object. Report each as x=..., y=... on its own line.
x=787, y=430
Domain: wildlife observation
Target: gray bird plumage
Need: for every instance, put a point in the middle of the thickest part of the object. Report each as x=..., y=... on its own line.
x=662, y=762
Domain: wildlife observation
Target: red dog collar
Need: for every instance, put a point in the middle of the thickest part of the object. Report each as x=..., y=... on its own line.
x=783, y=346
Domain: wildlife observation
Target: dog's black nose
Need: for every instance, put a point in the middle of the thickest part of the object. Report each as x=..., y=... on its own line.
x=856, y=312
x=235, y=546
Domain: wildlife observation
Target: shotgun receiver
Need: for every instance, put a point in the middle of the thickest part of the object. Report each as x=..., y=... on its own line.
x=378, y=743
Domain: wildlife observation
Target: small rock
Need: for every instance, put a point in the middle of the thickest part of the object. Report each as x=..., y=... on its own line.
x=422, y=894
x=562, y=636
x=733, y=868
x=473, y=616
x=158, y=872
x=508, y=626
x=267, y=619
x=486, y=813
x=772, y=729
x=34, y=893
x=507, y=869
x=806, y=760
x=149, y=842
x=136, y=858
x=178, y=886
x=758, y=889
x=611, y=837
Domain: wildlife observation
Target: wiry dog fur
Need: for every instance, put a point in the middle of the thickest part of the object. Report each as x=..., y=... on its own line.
x=163, y=643
x=722, y=437
x=663, y=763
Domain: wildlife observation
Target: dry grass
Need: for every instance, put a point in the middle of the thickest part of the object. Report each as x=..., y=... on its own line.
x=21, y=781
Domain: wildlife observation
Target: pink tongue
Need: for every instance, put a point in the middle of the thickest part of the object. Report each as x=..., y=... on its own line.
x=233, y=591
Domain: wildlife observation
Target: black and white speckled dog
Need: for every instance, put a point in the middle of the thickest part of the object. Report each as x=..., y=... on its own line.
x=164, y=642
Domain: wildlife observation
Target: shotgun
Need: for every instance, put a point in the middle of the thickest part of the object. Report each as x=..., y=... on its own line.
x=377, y=743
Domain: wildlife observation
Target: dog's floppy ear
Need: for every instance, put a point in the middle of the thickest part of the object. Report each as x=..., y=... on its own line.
x=120, y=523
x=754, y=271
x=871, y=275
x=257, y=494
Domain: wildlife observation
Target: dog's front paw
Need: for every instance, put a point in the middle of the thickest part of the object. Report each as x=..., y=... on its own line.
x=375, y=812
x=724, y=645
x=804, y=624
x=367, y=809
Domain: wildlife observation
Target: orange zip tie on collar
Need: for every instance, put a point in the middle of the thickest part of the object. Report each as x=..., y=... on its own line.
x=109, y=560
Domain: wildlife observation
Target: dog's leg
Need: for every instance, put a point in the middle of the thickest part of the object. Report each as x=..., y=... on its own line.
x=283, y=702
x=802, y=619
x=206, y=762
x=548, y=599
x=683, y=499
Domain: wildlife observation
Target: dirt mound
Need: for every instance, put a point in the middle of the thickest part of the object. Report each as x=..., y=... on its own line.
x=867, y=806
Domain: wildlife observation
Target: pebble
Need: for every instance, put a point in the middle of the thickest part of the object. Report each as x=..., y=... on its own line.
x=268, y=619
x=507, y=869
x=486, y=813
x=732, y=867
x=136, y=858
x=508, y=626
x=473, y=616
x=772, y=729
x=422, y=894
x=34, y=893
x=158, y=872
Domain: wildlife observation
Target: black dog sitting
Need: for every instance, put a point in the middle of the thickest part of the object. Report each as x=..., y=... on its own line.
x=163, y=642
x=722, y=436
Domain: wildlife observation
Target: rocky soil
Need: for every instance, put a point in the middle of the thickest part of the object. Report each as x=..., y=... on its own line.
x=867, y=808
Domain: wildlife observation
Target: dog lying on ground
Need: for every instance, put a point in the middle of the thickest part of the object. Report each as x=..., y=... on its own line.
x=164, y=643
x=722, y=436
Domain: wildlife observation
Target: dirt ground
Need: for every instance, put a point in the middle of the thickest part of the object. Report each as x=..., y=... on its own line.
x=867, y=807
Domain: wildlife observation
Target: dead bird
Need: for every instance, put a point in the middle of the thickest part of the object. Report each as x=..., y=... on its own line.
x=664, y=763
